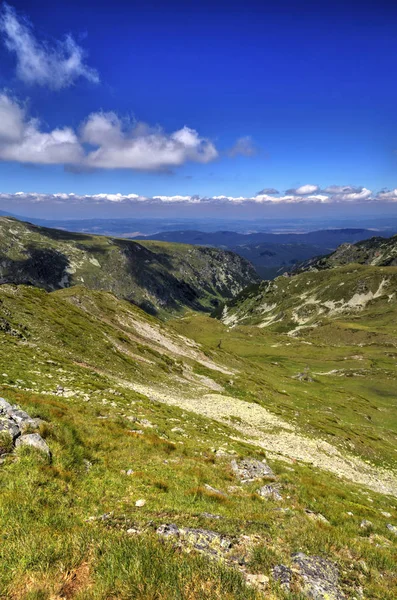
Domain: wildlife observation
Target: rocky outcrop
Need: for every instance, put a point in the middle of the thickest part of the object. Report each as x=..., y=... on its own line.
x=16, y=430
x=319, y=577
x=203, y=540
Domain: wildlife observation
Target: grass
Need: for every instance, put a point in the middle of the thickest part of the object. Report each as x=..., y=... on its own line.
x=88, y=343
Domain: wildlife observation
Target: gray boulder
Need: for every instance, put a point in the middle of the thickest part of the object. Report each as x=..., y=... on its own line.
x=249, y=469
x=271, y=492
x=319, y=577
x=8, y=426
x=5, y=406
x=283, y=575
x=33, y=440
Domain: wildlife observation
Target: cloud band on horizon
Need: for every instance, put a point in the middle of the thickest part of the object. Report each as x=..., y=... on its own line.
x=362, y=195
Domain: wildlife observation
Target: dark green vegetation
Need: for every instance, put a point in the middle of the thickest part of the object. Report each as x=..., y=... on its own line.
x=157, y=276
x=134, y=409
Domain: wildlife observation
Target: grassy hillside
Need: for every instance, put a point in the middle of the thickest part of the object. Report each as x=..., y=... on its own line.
x=377, y=251
x=290, y=304
x=159, y=277
x=134, y=409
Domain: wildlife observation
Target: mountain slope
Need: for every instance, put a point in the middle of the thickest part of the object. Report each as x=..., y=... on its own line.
x=157, y=276
x=292, y=303
x=144, y=423
x=271, y=254
x=377, y=251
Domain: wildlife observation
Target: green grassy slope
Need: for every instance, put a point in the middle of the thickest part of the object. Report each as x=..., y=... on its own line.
x=374, y=251
x=93, y=366
x=159, y=277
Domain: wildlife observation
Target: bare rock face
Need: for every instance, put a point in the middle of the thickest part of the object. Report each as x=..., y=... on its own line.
x=319, y=577
x=249, y=469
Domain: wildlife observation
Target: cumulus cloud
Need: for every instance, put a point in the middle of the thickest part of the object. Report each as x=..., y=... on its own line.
x=57, y=64
x=387, y=196
x=303, y=190
x=21, y=139
x=244, y=146
x=137, y=199
x=103, y=141
x=120, y=146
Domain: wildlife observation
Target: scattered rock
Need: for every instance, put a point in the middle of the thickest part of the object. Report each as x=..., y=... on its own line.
x=366, y=524
x=104, y=517
x=177, y=430
x=392, y=528
x=213, y=490
x=33, y=440
x=14, y=422
x=319, y=577
x=210, y=516
x=257, y=580
x=271, y=492
x=87, y=465
x=249, y=469
x=141, y=502
x=283, y=576
x=133, y=531
x=385, y=514
x=379, y=540
x=203, y=540
x=130, y=472
x=305, y=376
x=316, y=516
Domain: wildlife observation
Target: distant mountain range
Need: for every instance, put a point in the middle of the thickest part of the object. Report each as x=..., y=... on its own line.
x=271, y=253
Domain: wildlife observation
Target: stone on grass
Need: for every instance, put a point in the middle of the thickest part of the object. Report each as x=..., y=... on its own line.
x=257, y=580
x=271, y=492
x=8, y=426
x=316, y=516
x=249, y=469
x=213, y=490
x=392, y=528
x=365, y=524
x=34, y=440
x=209, y=542
x=283, y=576
x=140, y=503
x=319, y=577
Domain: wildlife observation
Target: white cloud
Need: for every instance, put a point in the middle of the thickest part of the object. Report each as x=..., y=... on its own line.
x=136, y=199
x=303, y=190
x=114, y=144
x=357, y=195
x=122, y=146
x=21, y=139
x=387, y=196
x=244, y=146
x=56, y=65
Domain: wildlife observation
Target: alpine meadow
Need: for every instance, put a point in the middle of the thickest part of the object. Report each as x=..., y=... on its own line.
x=198, y=374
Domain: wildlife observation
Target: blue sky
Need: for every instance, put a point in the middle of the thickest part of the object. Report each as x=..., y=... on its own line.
x=216, y=101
